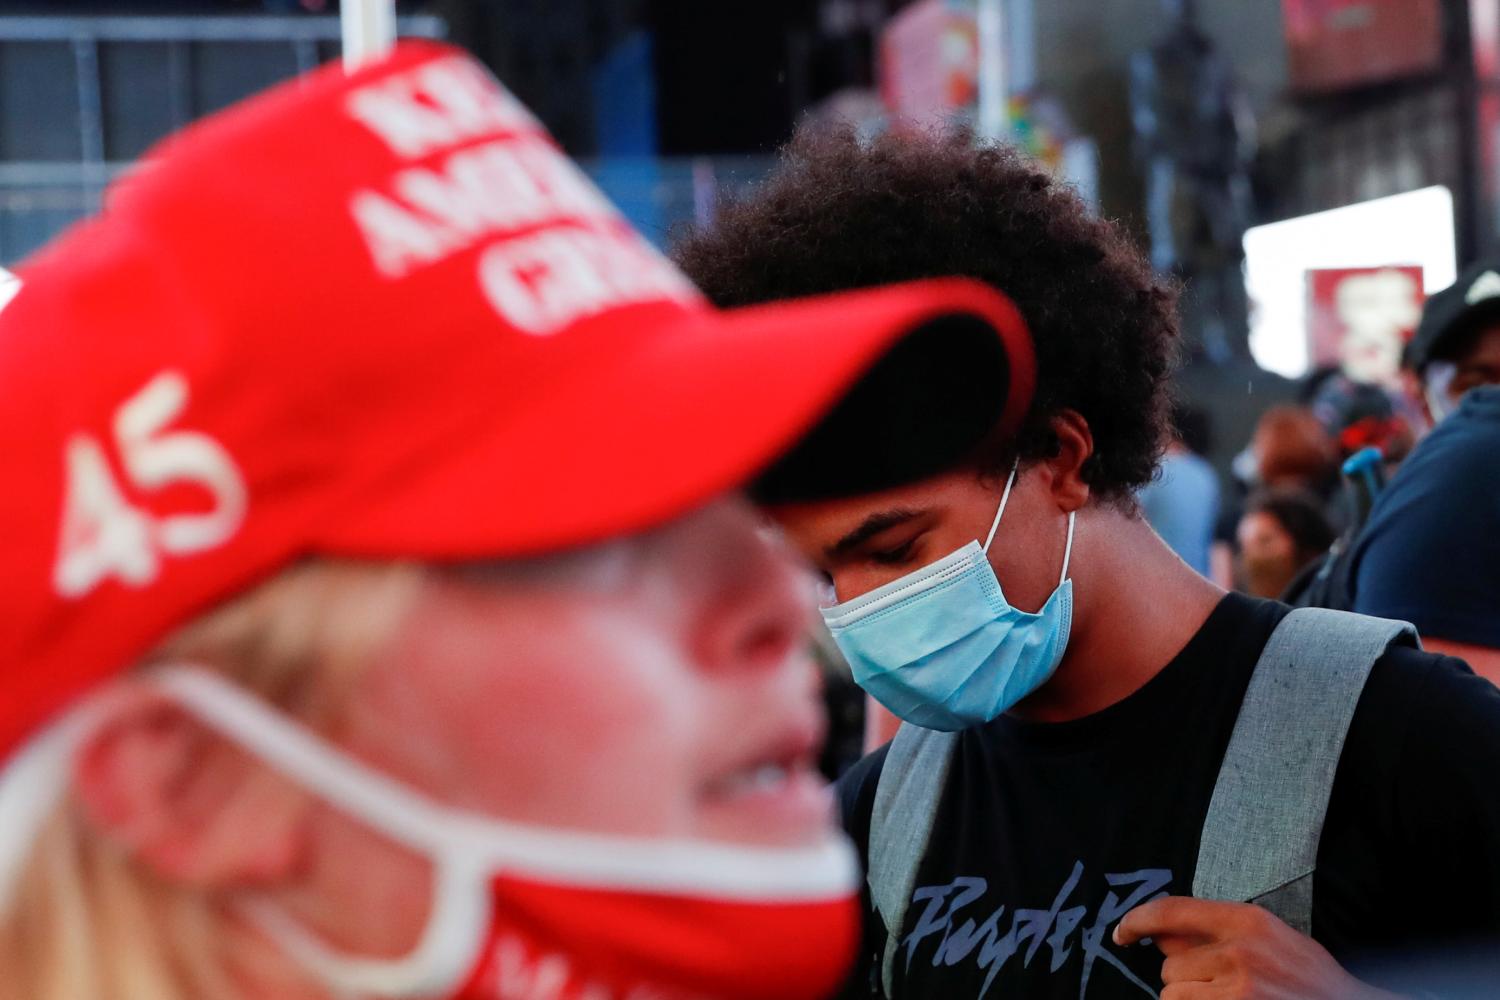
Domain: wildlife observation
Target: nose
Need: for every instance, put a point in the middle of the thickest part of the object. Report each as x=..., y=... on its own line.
x=758, y=612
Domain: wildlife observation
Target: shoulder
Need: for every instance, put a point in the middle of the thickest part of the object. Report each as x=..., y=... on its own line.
x=1442, y=693
x=1413, y=824
x=1423, y=681
x=856, y=796
x=1420, y=711
x=1417, y=781
x=1244, y=622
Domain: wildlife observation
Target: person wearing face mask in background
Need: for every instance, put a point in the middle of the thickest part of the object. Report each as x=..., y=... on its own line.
x=401, y=635
x=1429, y=553
x=1457, y=344
x=1094, y=734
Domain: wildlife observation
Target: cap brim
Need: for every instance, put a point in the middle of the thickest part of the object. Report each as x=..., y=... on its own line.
x=623, y=447
x=1438, y=341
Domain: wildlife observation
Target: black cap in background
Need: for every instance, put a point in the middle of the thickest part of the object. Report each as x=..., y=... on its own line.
x=1455, y=312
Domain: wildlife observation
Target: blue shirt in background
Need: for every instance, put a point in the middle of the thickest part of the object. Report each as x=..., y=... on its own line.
x=1430, y=552
x=1182, y=504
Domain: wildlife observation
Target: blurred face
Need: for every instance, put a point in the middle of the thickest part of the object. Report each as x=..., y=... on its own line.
x=1371, y=355
x=1292, y=449
x=654, y=686
x=1269, y=554
x=1479, y=365
x=864, y=542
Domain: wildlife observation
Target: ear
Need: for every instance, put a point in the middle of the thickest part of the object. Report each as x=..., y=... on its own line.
x=1075, y=446
x=184, y=802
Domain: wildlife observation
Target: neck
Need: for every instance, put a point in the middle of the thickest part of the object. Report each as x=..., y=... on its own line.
x=1136, y=605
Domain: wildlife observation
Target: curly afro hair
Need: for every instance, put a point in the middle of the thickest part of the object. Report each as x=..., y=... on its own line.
x=839, y=213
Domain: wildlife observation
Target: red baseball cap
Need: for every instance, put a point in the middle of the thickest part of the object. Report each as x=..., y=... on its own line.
x=376, y=315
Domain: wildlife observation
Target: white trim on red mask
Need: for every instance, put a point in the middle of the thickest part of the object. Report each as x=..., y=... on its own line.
x=466, y=848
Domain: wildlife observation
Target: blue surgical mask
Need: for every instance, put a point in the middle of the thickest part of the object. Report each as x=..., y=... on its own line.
x=943, y=649
x=1437, y=379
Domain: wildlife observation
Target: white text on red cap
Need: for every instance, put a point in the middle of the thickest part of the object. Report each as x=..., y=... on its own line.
x=583, y=259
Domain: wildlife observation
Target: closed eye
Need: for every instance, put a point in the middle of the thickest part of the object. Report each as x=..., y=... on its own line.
x=894, y=556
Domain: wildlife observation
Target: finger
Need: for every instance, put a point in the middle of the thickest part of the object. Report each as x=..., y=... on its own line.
x=1195, y=965
x=1172, y=944
x=1193, y=991
x=1180, y=916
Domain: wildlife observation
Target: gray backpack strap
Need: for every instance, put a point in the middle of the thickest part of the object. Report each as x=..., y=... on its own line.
x=1260, y=840
x=906, y=802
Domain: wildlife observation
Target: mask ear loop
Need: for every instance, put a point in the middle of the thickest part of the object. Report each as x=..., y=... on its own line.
x=1004, y=499
x=1435, y=383
x=1067, y=552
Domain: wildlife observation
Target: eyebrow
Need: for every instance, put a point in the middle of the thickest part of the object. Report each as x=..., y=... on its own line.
x=872, y=526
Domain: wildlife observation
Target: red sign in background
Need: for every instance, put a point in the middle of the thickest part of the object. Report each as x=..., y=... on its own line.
x=929, y=60
x=1345, y=43
x=1360, y=318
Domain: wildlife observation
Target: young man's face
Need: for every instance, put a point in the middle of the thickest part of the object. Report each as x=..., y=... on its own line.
x=864, y=542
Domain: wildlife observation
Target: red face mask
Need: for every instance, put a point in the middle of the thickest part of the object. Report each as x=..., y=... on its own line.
x=530, y=913
x=563, y=943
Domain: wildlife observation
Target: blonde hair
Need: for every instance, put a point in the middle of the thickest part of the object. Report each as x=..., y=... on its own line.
x=87, y=922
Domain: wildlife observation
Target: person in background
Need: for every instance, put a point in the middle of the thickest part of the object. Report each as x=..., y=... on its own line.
x=400, y=634
x=1290, y=449
x=1281, y=532
x=1358, y=416
x=1098, y=745
x=1457, y=344
x=1293, y=450
x=1429, y=552
x=1182, y=502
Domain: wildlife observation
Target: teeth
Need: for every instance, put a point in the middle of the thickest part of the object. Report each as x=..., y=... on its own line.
x=765, y=778
x=768, y=777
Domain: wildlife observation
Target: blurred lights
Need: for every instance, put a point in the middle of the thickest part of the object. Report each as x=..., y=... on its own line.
x=1411, y=228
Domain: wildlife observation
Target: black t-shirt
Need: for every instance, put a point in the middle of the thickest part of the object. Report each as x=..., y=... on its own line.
x=1430, y=552
x=1048, y=833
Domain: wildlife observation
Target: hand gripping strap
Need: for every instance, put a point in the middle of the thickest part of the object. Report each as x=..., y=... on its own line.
x=906, y=802
x=1260, y=840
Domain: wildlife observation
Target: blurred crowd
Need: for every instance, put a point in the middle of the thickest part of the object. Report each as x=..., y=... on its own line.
x=1318, y=510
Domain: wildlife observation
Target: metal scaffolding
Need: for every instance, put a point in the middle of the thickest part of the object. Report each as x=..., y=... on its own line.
x=59, y=190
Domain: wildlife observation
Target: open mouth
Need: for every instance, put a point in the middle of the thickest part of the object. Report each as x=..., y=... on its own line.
x=765, y=778
x=774, y=795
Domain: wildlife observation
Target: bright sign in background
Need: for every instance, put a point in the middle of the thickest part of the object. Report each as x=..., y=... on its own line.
x=1414, y=229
